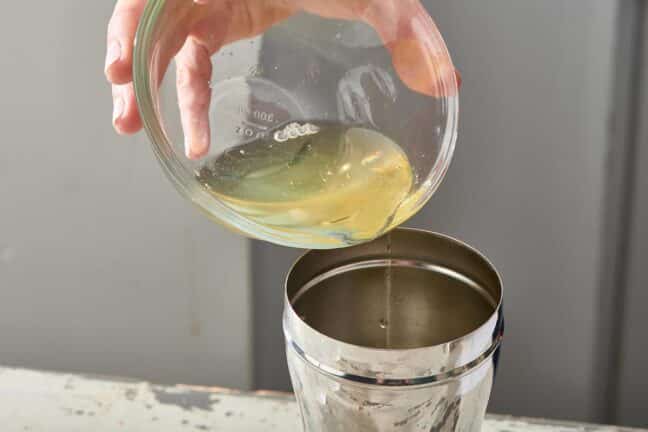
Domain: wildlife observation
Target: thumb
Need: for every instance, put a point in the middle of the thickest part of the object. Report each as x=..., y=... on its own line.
x=418, y=51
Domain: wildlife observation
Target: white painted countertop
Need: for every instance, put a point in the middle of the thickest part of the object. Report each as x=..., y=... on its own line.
x=49, y=402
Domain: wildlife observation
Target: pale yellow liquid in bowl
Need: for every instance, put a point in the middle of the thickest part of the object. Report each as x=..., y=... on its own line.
x=334, y=185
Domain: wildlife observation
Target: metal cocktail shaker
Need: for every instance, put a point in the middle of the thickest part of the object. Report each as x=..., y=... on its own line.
x=398, y=334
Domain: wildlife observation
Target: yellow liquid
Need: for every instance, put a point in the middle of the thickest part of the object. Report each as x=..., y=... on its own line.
x=327, y=185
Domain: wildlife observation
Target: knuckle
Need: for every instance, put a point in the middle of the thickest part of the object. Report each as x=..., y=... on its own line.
x=193, y=64
x=188, y=76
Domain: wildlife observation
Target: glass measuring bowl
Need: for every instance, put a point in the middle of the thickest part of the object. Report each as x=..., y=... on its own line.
x=330, y=122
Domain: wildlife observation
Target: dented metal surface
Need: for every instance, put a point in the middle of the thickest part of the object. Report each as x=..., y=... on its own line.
x=33, y=401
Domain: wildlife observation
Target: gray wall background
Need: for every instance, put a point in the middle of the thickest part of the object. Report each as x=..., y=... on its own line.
x=105, y=269
x=632, y=399
x=540, y=156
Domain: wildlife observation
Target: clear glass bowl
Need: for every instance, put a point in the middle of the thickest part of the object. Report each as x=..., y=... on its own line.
x=329, y=125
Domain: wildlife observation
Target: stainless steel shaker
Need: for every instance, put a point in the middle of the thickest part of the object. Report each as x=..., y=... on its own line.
x=398, y=334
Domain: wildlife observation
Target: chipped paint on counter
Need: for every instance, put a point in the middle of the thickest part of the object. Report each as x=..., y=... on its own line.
x=47, y=402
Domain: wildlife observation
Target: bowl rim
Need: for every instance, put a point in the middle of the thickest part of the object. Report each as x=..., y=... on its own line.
x=183, y=180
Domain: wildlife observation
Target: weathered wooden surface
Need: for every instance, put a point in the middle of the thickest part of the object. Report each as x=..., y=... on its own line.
x=45, y=402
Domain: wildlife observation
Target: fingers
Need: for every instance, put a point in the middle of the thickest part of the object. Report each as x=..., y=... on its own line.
x=126, y=117
x=118, y=65
x=409, y=33
x=121, y=34
x=416, y=46
x=423, y=71
x=193, y=74
x=224, y=22
x=218, y=24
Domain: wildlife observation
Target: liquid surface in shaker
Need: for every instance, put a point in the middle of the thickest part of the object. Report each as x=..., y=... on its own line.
x=425, y=307
x=337, y=185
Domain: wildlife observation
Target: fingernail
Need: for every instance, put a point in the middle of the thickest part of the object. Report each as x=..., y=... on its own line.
x=118, y=109
x=198, y=145
x=113, y=54
x=204, y=141
x=188, y=151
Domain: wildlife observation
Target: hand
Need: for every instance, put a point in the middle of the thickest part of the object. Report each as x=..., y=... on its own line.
x=204, y=26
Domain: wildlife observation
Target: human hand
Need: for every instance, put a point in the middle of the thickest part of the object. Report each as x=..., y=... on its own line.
x=204, y=26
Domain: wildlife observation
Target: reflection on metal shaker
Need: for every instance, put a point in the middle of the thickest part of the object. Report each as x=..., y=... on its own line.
x=417, y=356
